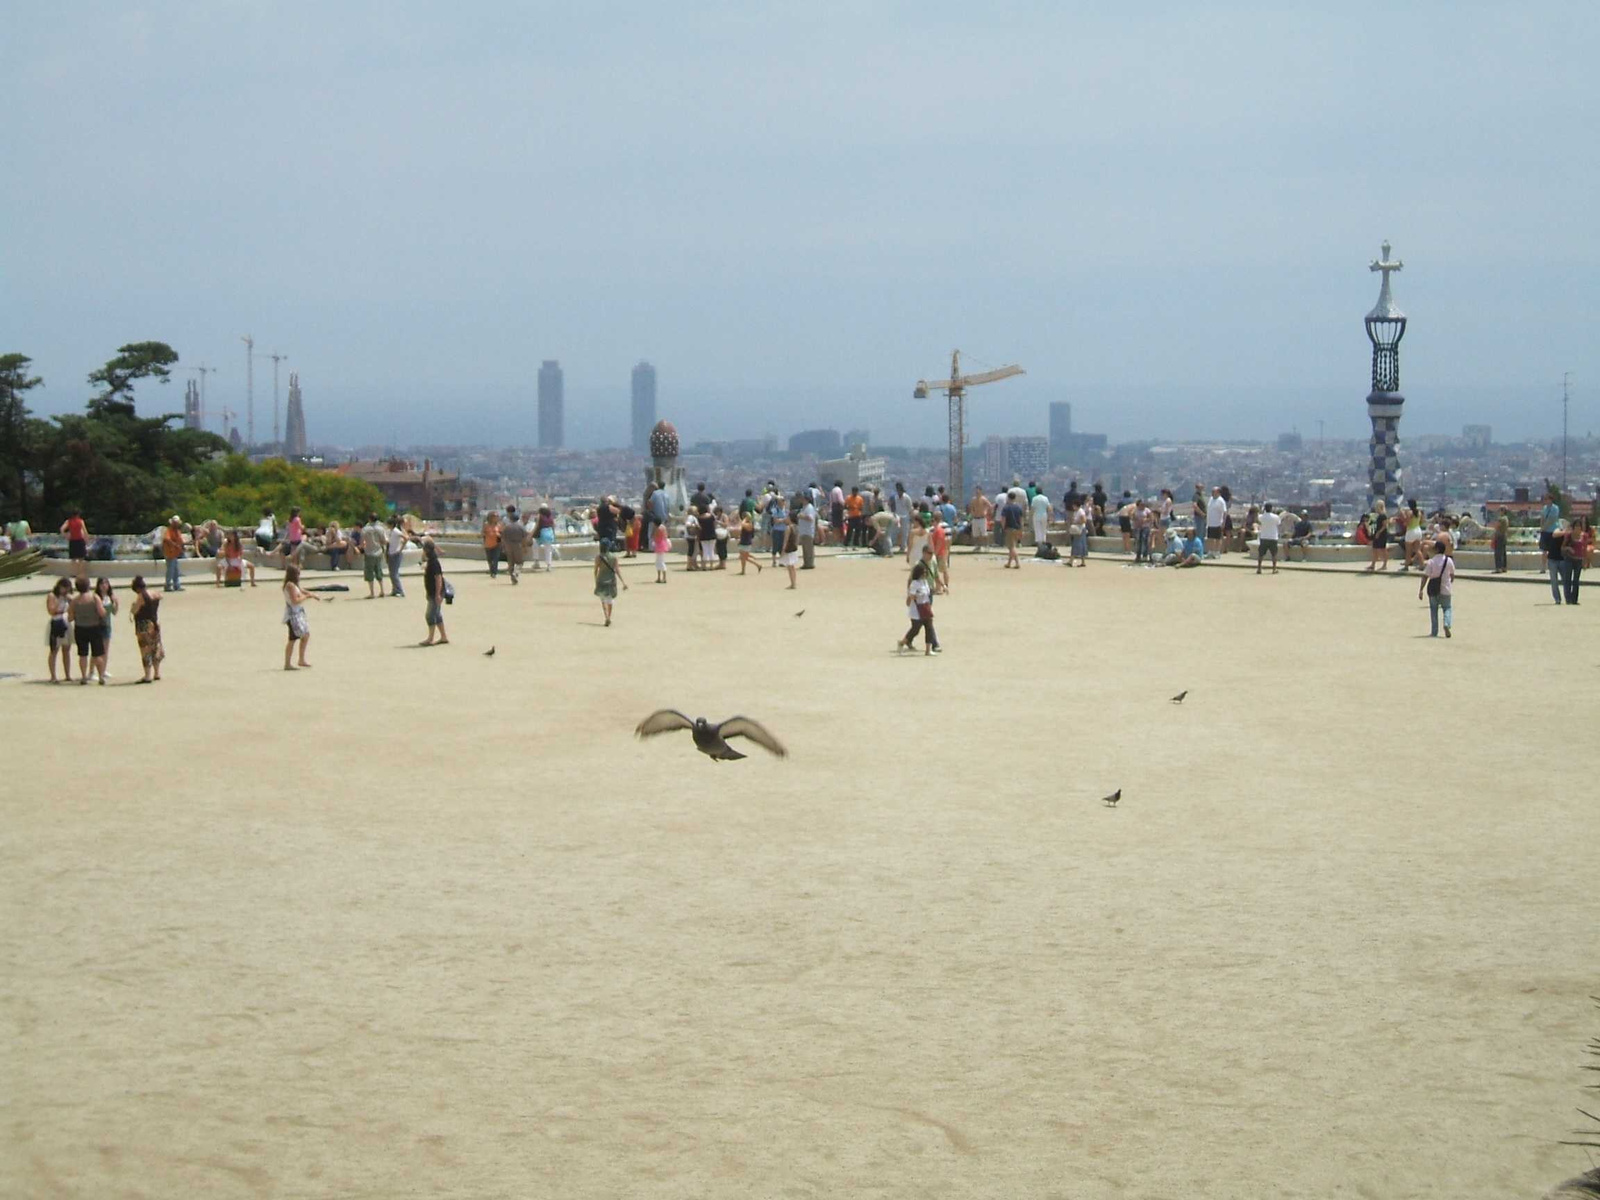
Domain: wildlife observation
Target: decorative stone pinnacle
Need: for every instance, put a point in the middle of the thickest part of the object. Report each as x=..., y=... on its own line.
x=1385, y=308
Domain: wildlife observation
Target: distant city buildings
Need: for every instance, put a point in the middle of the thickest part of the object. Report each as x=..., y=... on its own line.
x=994, y=464
x=294, y=431
x=854, y=470
x=1028, y=457
x=191, y=406
x=429, y=493
x=644, y=406
x=1060, y=431
x=1477, y=437
x=823, y=443
x=1290, y=442
x=856, y=437
x=552, y=406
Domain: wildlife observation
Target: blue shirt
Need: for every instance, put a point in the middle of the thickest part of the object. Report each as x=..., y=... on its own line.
x=948, y=512
x=1195, y=547
x=659, y=505
x=1550, y=518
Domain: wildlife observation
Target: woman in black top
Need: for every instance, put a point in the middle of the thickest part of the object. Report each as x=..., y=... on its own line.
x=147, y=629
x=433, y=587
x=88, y=627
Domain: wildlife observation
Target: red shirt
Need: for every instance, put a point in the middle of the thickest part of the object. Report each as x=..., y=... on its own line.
x=75, y=529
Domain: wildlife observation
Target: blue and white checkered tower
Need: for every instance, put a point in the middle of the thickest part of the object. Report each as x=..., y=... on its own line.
x=1386, y=325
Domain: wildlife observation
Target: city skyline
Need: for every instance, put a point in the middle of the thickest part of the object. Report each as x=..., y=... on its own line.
x=552, y=401
x=1163, y=218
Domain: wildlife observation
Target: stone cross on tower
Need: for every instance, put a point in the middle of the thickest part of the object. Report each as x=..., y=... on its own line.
x=1386, y=325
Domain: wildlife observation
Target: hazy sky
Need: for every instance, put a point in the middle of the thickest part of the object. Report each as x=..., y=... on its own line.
x=1163, y=211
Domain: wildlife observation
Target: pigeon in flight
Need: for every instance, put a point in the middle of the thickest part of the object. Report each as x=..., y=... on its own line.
x=489, y=653
x=1111, y=800
x=1178, y=699
x=711, y=740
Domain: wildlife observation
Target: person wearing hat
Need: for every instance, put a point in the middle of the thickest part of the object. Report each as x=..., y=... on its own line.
x=172, y=551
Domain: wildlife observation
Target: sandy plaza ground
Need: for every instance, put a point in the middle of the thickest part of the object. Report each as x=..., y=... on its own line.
x=430, y=923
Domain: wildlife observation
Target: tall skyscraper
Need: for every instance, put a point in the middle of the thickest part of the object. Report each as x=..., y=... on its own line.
x=191, y=406
x=1060, y=431
x=294, y=431
x=552, y=405
x=644, y=405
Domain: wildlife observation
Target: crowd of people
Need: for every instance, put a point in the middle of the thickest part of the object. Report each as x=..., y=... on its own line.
x=783, y=527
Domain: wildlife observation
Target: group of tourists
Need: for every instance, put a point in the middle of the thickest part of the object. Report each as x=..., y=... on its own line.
x=508, y=539
x=85, y=619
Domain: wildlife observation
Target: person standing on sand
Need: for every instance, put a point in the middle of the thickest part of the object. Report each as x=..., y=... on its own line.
x=146, y=612
x=1578, y=549
x=513, y=544
x=790, y=553
x=1378, y=533
x=1267, y=535
x=939, y=543
x=544, y=533
x=1438, y=580
x=395, y=547
x=1011, y=524
x=979, y=510
x=1502, y=534
x=491, y=543
x=372, y=550
x=606, y=578
x=108, y=598
x=172, y=552
x=434, y=588
x=294, y=616
x=88, y=629
x=919, y=607
x=1079, y=530
x=59, y=605
x=806, y=531
x=663, y=544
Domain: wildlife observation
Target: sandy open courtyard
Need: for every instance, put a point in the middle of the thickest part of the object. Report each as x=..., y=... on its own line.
x=426, y=923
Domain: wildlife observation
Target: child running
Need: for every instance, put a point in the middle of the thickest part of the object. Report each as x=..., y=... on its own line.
x=294, y=616
x=606, y=579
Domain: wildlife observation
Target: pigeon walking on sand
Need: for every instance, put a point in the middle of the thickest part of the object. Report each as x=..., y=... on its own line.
x=1112, y=800
x=489, y=653
x=711, y=740
x=1178, y=699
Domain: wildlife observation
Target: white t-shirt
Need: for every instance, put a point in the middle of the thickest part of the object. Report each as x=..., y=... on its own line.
x=267, y=529
x=1217, y=512
x=397, y=540
x=1269, y=526
x=918, y=593
x=1041, y=507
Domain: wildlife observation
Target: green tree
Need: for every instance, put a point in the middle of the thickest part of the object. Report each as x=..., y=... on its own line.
x=234, y=491
x=135, y=361
x=122, y=471
x=15, y=431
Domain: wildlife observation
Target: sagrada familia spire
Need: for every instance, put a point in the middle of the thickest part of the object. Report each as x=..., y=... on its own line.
x=294, y=433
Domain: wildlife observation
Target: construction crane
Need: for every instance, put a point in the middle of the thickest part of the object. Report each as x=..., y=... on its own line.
x=956, y=387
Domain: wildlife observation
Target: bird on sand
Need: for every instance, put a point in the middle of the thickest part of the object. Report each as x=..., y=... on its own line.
x=801, y=613
x=1178, y=699
x=1111, y=800
x=489, y=653
x=711, y=740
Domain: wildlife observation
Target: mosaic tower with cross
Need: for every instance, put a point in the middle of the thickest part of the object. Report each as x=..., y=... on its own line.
x=1386, y=325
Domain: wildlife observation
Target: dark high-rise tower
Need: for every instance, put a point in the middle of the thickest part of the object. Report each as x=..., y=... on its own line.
x=1386, y=325
x=191, y=406
x=552, y=406
x=1060, y=431
x=294, y=430
x=644, y=405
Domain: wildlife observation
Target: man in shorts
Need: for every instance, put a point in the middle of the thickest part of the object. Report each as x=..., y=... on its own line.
x=1267, y=531
x=1011, y=526
x=1216, y=521
x=980, y=509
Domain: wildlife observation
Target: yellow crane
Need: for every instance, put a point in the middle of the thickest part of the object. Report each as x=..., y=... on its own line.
x=956, y=387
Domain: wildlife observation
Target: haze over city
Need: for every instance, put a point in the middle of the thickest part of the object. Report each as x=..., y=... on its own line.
x=794, y=212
